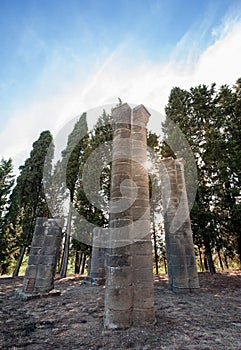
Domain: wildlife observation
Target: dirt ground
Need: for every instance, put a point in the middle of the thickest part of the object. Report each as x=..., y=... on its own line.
x=208, y=319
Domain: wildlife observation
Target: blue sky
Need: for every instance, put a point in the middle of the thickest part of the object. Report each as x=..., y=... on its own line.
x=59, y=58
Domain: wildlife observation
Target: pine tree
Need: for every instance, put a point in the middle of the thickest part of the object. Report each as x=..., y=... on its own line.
x=209, y=119
x=6, y=183
x=70, y=164
x=28, y=199
x=92, y=197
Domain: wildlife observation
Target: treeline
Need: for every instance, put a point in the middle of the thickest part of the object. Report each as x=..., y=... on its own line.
x=210, y=120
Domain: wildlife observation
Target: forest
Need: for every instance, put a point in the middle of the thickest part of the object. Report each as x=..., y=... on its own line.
x=209, y=118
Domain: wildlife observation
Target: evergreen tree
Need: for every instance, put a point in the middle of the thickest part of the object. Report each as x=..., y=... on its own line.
x=95, y=163
x=209, y=120
x=28, y=199
x=6, y=183
x=72, y=158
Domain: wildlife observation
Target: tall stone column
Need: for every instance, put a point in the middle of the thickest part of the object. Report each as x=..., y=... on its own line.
x=182, y=271
x=98, y=256
x=39, y=276
x=142, y=261
x=129, y=280
x=118, y=297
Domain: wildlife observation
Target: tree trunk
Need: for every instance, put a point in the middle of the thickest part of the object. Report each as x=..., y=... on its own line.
x=26, y=243
x=239, y=248
x=165, y=264
x=19, y=263
x=155, y=246
x=81, y=260
x=210, y=259
x=226, y=261
x=220, y=260
x=65, y=256
x=200, y=258
x=83, y=265
x=77, y=262
x=205, y=263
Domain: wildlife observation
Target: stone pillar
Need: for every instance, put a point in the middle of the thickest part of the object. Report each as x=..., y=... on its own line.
x=98, y=256
x=182, y=271
x=129, y=280
x=142, y=261
x=39, y=276
x=118, y=295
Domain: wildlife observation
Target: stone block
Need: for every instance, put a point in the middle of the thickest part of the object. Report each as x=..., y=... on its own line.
x=33, y=259
x=45, y=271
x=50, y=250
x=143, y=297
x=143, y=316
x=116, y=220
x=37, y=241
x=180, y=290
x=123, y=132
x=119, y=299
x=194, y=282
x=120, y=249
x=117, y=179
x=98, y=273
x=180, y=282
x=140, y=180
x=119, y=277
x=121, y=211
x=117, y=319
x=138, y=154
x=47, y=260
x=31, y=271
x=121, y=151
x=34, y=251
x=141, y=228
x=178, y=260
x=140, y=136
x=114, y=244
x=121, y=168
x=142, y=261
x=29, y=285
x=139, y=213
x=142, y=247
x=120, y=127
x=143, y=277
x=119, y=260
x=143, y=192
x=49, y=241
x=43, y=285
x=141, y=203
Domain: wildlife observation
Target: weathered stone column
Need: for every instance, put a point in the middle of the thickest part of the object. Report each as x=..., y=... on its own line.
x=39, y=276
x=98, y=256
x=118, y=297
x=129, y=281
x=142, y=264
x=182, y=271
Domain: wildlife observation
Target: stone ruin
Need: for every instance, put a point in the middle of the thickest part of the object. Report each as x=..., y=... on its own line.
x=122, y=254
x=98, y=257
x=42, y=261
x=129, y=278
x=181, y=262
x=129, y=296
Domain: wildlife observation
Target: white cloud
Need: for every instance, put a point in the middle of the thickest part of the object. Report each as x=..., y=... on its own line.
x=220, y=62
x=135, y=82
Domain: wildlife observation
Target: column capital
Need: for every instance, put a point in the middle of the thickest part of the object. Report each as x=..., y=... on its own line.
x=121, y=116
x=140, y=115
